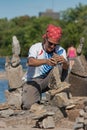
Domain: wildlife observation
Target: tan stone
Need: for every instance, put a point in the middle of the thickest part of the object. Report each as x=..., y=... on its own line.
x=14, y=76
x=64, y=86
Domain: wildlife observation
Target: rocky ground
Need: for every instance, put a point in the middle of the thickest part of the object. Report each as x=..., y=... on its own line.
x=22, y=119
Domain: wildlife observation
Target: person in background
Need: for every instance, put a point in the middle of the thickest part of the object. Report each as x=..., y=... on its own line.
x=43, y=57
x=71, y=55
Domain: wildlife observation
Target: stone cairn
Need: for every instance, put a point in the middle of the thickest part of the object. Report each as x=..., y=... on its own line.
x=78, y=80
x=78, y=75
x=53, y=106
x=14, y=74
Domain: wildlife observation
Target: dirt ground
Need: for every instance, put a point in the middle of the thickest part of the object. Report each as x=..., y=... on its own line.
x=64, y=124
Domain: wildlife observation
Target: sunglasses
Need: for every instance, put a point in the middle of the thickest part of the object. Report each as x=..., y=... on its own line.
x=51, y=44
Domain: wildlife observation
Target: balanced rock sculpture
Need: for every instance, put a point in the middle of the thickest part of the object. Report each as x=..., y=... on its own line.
x=13, y=67
x=78, y=75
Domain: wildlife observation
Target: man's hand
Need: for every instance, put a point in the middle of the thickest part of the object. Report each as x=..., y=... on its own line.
x=52, y=62
x=61, y=59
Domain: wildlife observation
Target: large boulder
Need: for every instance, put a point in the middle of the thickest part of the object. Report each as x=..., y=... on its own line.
x=78, y=77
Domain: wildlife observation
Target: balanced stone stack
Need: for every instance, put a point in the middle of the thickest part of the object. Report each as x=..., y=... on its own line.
x=78, y=75
x=14, y=73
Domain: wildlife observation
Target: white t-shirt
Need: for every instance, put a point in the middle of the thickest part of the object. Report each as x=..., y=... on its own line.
x=38, y=52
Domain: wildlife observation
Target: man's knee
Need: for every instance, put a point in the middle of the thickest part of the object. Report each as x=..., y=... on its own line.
x=30, y=96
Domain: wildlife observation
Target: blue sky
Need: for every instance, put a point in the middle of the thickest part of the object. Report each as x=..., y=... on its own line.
x=15, y=8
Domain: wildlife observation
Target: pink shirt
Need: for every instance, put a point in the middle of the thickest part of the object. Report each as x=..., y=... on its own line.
x=72, y=54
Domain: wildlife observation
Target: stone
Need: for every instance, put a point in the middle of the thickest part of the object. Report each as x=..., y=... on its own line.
x=81, y=112
x=78, y=85
x=14, y=76
x=4, y=106
x=79, y=120
x=36, y=107
x=80, y=66
x=85, y=121
x=15, y=61
x=48, y=123
x=78, y=77
x=15, y=46
x=54, y=79
x=2, y=124
x=61, y=100
x=14, y=71
x=70, y=106
x=78, y=126
x=14, y=99
x=85, y=115
x=6, y=113
x=48, y=96
x=62, y=86
x=85, y=109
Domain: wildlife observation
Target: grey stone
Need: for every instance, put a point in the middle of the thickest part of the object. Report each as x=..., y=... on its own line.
x=54, y=79
x=85, y=115
x=78, y=126
x=60, y=100
x=48, y=122
x=62, y=86
x=85, y=122
x=79, y=120
x=14, y=76
x=85, y=109
x=15, y=61
x=6, y=113
x=2, y=124
x=14, y=99
x=15, y=46
x=81, y=112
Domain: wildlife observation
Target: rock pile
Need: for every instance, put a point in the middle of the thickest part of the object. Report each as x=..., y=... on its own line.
x=81, y=120
x=78, y=75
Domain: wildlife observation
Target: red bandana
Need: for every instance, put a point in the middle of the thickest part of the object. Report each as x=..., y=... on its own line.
x=53, y=33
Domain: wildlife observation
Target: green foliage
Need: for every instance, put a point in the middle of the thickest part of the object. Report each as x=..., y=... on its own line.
x=30, y=30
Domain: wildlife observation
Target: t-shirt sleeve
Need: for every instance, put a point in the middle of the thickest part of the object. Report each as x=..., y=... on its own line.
x=62, y=52
x=32, y=51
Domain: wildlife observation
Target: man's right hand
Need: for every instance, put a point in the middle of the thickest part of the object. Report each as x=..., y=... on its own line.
x=51, y=62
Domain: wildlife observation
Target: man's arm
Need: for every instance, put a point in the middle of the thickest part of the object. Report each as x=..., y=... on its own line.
x=37, y=62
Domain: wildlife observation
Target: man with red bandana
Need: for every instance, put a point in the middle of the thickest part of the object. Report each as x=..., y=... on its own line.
x=43, y=57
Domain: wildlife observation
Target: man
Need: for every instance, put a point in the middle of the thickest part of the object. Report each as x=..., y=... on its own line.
x=42, y=59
